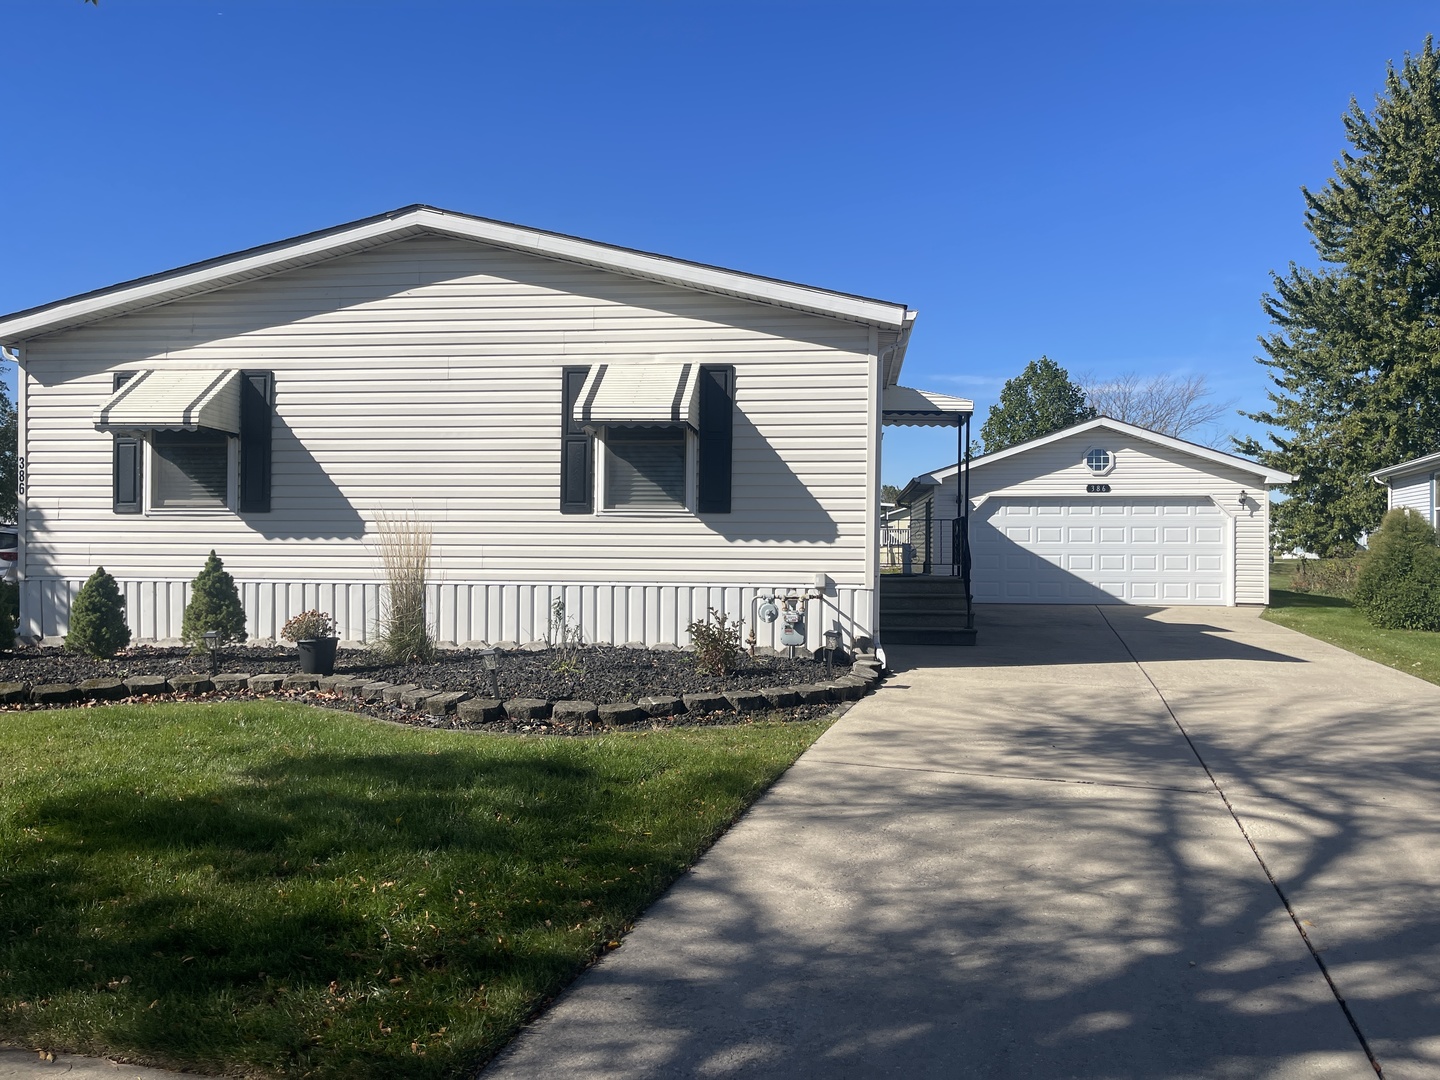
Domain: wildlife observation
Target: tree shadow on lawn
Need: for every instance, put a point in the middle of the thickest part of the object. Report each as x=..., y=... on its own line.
x=324, y=913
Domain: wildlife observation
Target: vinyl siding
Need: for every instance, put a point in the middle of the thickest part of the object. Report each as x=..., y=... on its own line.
x=1415, y=491
x=424, y=377
x=1142, y=470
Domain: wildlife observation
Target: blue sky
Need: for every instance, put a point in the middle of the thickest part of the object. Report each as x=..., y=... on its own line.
x=1105, y=183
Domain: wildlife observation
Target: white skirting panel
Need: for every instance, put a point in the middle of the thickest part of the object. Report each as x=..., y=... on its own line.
x=463, y=612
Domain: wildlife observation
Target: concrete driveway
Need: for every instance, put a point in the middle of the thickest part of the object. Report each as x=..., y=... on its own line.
x=1013, y=862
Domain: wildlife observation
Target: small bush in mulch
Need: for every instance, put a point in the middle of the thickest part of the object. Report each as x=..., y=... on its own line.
x=214, y=606
x=97, y=619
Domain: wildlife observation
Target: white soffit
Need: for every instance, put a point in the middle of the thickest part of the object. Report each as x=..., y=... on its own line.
x=411, y=221
x=174, y=400
x=908, y=407
x=647, y=395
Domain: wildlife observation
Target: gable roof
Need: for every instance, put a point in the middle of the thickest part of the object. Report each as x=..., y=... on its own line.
x=1420, y=464
x=1219, y=457
x=420, y=220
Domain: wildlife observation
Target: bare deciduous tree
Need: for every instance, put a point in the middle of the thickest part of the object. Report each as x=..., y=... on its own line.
x=1173, y=405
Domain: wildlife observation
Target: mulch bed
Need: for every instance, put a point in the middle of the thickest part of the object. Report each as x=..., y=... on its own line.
x=594, y=673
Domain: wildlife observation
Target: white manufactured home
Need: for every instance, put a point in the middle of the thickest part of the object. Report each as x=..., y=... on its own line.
x=1412, y=484
x=1101, y=513
x=639, y=437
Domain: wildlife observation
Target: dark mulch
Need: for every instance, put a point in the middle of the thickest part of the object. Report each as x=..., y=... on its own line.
x=598, y=673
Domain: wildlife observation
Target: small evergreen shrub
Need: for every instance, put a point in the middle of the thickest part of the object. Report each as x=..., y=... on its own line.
x=97, y=621
x=214, y=605
x=1399, y=583
x=716, y=642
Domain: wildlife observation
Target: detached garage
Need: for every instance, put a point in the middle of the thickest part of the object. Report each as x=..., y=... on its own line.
x=1103, y=513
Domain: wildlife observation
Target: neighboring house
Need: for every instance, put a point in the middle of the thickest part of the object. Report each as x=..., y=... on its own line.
x=637, y=437
x=1104, y=512
x=1412, y=484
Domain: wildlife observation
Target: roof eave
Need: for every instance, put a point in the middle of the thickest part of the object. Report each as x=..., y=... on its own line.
x=1420, y=464
x=1270, y=477
x=310, y=248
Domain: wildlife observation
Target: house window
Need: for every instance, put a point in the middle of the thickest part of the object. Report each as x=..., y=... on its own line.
x=646, y=468
x=1099, y=461
x=190, y=470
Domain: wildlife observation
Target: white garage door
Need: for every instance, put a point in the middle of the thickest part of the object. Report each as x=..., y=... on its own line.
x=1066, y=551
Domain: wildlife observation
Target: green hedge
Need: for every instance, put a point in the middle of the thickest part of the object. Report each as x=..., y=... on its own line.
x=1398, y=587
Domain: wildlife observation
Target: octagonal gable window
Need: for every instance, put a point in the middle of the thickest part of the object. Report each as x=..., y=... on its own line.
x=1099, y=460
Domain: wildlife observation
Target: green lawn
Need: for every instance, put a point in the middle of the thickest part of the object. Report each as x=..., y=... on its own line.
x=279, y=890
x=1333, y=619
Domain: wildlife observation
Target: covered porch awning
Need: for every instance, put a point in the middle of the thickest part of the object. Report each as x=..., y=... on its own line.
x=908, y=407
x=644, y=395
x=174, y=401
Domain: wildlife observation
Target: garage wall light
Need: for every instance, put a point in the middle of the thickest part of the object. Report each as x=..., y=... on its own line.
x=1243, y=497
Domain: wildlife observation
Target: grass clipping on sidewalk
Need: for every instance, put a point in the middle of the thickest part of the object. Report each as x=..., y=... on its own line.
x=272, y=889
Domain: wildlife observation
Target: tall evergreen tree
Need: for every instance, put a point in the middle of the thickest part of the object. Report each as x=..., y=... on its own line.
x=1039, y=400
x=1356, y=357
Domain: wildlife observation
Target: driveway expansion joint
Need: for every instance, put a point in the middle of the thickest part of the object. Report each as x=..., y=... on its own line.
x=1255, y=850
x=1015, y=776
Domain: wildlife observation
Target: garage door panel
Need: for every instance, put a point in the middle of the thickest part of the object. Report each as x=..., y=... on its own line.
x=1146, y=551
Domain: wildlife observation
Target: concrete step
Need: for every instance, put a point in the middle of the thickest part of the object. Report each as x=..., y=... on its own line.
x=923, y=620
x=899, y=636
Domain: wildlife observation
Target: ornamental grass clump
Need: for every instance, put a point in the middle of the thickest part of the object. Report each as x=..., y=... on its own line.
x=214, y=605
x=97, y=621
x=716, y=642
x=404, y=633
x=1399, y=583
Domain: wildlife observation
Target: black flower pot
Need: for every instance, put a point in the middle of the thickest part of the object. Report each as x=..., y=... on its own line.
x=317, y=657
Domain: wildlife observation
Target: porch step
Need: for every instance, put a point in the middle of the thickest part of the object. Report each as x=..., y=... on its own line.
x=897, y=636
x=923, y=610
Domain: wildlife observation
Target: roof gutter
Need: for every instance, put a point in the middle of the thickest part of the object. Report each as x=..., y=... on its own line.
x=893, y=356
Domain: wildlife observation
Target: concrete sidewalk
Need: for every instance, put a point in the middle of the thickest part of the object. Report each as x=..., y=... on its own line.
x=1011, y=863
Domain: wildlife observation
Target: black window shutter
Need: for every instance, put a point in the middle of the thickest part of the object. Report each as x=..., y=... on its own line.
x=126, y=488
x=256, y=395
x=717, y=417
x=577, y=451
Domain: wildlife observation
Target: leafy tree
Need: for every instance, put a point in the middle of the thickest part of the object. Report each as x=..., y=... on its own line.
x=1399, y=583
x=1039, y=400
x=214, y=605
x=9, y=459
x=1355, y=360
x=97, y=621
x=1173, y=405
x=889, y=493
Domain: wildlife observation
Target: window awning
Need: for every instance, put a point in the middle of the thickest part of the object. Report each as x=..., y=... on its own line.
x=908, y=407
x=174, y=401
x=645, y=395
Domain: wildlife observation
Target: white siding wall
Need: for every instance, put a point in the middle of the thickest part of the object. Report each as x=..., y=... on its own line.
x=1142, y=469
x=424, y=377
x=1416, y=492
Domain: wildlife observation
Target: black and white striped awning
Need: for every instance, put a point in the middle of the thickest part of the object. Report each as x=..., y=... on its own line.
x=640, y=394
x=174, y=401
